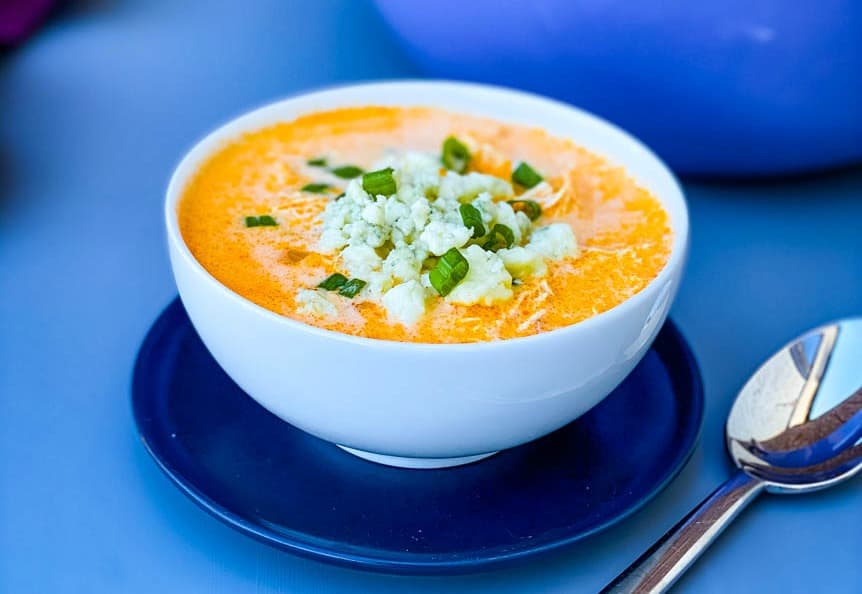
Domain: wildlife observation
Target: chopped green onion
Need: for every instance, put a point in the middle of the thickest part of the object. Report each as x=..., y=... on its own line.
x=340, y=196
x=526, y=176
x=316, y=188
x=333, y=281
x=456, y=156
x=528, y=207
x=473, y=219
x=347, y=171
x=338, y=282
x=261, y=221
x=450, y=270
x=499, y=231
x=379, y=182
x=351, y=288
x=317, y=162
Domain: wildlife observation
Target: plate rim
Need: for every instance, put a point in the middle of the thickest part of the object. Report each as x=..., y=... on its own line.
x=338, y=553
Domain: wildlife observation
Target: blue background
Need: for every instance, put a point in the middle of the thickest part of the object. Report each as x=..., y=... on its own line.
x=95, y=112
x=722, y=86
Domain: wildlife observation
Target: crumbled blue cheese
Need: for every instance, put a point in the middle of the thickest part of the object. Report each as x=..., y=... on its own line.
x=361, y=261
x=441, y=235
x=464, y=188
x=387, y=240
x=403, y=264
x=314, y=302
x=487, y=281
x=405, y=302
x=522, y=262
x=554, y=242
x=494, y=212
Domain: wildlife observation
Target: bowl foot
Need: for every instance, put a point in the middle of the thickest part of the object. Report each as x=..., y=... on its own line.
x=402, y=462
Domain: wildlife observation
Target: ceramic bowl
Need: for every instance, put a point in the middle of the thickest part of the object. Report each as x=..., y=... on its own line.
x=429, y=405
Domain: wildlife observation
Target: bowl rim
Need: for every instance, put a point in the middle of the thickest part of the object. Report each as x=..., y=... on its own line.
x=218, y=137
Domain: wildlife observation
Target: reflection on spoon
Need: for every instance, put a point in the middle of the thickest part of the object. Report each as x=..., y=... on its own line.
x=796, y=426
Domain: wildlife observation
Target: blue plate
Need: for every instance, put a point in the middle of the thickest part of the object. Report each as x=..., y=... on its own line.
x=291, y=490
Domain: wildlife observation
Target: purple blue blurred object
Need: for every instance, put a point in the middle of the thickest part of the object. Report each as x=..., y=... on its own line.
x=719, y=88
x=19, y=18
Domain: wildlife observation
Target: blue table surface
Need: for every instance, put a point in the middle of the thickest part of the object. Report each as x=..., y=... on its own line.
x=94, y=113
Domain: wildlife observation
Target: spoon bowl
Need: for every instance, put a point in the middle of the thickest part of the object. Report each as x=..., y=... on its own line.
x=795, y=427
x=797, y=423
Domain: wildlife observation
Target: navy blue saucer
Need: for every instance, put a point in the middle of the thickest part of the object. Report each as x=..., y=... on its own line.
x=286, y=488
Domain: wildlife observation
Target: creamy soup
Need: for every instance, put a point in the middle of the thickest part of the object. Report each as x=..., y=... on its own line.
x=420, y=225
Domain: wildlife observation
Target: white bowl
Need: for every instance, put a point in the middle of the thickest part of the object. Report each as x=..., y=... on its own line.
x=429, y=405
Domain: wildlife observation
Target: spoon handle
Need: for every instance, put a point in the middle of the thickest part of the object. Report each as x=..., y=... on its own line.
x=658, y=568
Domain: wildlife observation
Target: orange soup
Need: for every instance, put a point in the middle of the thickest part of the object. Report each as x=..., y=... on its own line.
x=309, y=218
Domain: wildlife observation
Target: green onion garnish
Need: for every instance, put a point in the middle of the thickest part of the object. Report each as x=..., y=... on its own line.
x=526, y=176
x=338, y=282
x=317, y=162
x=473, y=219
x=347, y=171
x=379, y=182
x=261, y=221
x=456, y=156
x=450, y=270
x=316, y=188
x=528, y=207
x=352, y=287
x=340, y=196
x=333, y=281
x=498, y=233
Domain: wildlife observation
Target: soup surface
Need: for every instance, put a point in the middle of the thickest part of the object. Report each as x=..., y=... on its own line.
x=254, y=216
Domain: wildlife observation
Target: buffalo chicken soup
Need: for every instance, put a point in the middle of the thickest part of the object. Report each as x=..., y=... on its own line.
x=420, y=225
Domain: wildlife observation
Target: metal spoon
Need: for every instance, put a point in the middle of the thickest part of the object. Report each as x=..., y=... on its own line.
x=795, y=427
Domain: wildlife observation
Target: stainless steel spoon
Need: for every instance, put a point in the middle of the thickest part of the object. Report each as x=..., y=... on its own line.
x=795, y=427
